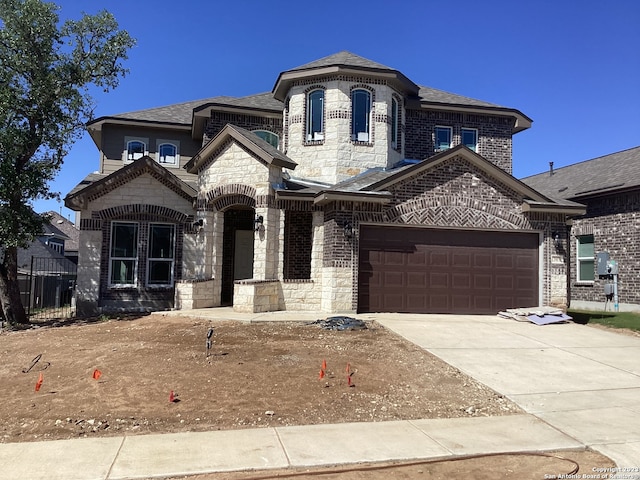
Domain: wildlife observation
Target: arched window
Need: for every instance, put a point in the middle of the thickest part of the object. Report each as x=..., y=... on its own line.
x=135, y=150
x=360, y=115
x=268, y=137
x=315, y=115
x=395, y=112
x=168, y=153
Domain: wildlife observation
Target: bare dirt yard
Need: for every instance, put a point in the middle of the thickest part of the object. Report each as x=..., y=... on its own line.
x=153, y=374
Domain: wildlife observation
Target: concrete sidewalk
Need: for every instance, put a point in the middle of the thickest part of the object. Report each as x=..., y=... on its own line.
x=582, y=380
x=579, y=385
x=148, y=456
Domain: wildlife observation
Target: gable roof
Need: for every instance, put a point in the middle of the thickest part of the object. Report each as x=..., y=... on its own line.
x=256, y=145
x=96, y=185
x=372, y=185
x=57, y=223
x=618, y=171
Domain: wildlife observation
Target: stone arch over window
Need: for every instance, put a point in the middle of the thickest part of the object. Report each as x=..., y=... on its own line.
x=224, y=196
x=362, y=100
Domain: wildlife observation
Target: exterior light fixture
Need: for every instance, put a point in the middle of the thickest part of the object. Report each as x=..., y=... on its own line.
x=557, y=240
x=258, y=222
x=348, y=230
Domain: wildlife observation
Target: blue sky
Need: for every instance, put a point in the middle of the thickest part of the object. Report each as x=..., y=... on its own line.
x=572, y=66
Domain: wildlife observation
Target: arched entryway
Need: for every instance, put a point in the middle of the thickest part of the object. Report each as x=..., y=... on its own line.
x=237, y=249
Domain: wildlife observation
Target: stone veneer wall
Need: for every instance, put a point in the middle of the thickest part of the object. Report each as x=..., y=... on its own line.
x=142, y=198
x=614, y=222
x=337, y=157
x=494, y=134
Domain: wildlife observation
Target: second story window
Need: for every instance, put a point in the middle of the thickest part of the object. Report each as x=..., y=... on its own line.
x=395, y=111
x=315, y=115
x=168, y=154
x=136, y=149
x=361, y=115
x=470, y=138
x=442, y=138
x=269, y=137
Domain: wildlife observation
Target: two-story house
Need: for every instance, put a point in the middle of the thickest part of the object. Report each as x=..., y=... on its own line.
x=348, y=187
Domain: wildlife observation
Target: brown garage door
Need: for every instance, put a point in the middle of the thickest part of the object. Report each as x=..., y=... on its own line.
x=446, y=271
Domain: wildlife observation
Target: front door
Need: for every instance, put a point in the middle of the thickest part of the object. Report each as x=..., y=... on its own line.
x=237, y=250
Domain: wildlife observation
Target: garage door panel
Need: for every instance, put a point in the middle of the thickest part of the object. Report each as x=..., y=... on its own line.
x=446, y=271
x=438, y=259
x=504, y=261
x=417, y=280
x=482, y=282
x=482, y=260
x=439, y=280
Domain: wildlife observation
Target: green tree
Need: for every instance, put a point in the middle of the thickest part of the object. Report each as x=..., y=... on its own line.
x=46, y=71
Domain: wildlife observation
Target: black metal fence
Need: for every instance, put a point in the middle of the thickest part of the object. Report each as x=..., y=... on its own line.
x=48, y=288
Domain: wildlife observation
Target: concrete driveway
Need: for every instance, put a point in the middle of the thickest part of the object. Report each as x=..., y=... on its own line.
x=581, y=380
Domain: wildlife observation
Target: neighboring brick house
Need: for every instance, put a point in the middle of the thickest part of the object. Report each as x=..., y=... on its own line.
x=347, y=188
x=609, y=187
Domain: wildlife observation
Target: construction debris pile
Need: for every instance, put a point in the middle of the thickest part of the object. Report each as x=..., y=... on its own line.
x=537, y=315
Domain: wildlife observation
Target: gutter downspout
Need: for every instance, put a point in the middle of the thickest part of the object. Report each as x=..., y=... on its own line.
x=568, y=263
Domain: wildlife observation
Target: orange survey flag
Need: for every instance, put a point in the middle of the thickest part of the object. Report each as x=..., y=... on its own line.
x=97, y=374
x=321, y=376
x=39, y=382
x=324, y=364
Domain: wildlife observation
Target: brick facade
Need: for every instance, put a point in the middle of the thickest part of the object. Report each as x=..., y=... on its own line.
x=494, y=134
x=614, y=222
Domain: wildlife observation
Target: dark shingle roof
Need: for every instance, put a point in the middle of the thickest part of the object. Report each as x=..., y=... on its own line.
x=67, y=228
x=182, y=113
x=617, y=171
x=343, y=58
x=432, y=95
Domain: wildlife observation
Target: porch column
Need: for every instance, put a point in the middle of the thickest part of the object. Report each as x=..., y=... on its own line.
x=267, y=252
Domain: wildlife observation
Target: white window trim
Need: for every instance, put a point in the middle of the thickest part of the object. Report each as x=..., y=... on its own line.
x=436, y=147
x=362, y=137
x=127, y=140
x=153, y=259
x=176, y=144
x=309, y=135
x=135, y=264
x=580, y=259
x=475, y=149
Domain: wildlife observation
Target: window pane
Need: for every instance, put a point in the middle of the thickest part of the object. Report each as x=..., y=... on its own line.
x=585, y=246
x=160, y=272
x=360, y=109
x=122, y=272
x=587, y=270
x=269, y=137
x=161, y=241
x=394, y=121
x=167, y=153
x=443, y=138
x=469, y=138
x=315, y=112
x=135, y=150
x=124, y=240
